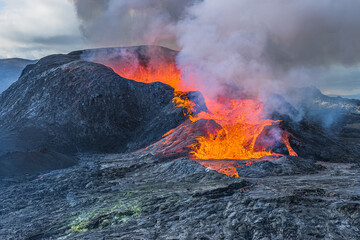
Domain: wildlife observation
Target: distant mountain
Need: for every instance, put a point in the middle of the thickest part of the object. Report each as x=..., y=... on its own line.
x=10, y=70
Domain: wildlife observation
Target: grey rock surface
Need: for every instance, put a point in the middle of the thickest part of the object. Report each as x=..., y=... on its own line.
x=70, y=105
x=322, y=128
x=139, y=196
x=286, y=165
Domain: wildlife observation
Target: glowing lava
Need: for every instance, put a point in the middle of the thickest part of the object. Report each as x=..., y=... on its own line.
x=149, y=72
x=241, y=136
x=242, y=125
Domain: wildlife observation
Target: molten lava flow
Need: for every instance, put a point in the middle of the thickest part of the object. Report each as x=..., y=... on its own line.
x=152, y=72
x=242, y=123
x=182, y=100
x=285, y=139
x=227, y=167
x=240, y=137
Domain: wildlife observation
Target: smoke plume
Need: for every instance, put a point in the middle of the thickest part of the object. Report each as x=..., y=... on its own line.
x=256, y=45
x=129, y=22
x=264, y=46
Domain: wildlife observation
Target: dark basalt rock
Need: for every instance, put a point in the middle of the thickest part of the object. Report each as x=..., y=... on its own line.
x=70, y=105
x=19, y=163
x=322, y=128
x=287, y=165
x=158, y=192
x=225, y=191
x=138, y=196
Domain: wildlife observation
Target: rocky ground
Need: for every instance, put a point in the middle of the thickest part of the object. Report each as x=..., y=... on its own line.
x=140, y=196
x=62, y=105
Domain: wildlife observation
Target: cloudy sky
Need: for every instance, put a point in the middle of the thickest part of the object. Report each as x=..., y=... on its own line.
x=36, y=28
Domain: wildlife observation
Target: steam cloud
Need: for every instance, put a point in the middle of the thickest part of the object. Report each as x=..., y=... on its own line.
x=129, y=22
x=261, y=46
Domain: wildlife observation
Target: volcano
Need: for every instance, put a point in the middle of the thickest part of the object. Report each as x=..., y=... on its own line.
x=242, y=127
x=70, y=105
x=150, y=157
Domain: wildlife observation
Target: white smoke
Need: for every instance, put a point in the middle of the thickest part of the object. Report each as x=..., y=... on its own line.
x=129, y=22
x=266, y=46
x=260, y=46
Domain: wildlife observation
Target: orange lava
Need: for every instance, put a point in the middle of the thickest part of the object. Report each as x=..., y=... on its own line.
x=182, y=100
x=241, y=126
x=285, y=139
x=241, y=120
x=227, y=167
x=154, y=71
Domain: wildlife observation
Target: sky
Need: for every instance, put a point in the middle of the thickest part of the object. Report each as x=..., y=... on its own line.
x=36, y=28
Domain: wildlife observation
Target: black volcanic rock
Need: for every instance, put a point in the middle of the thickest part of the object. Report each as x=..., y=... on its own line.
x=70, y=105
x=322, y=127
x=287, y=165
x=135, y=196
